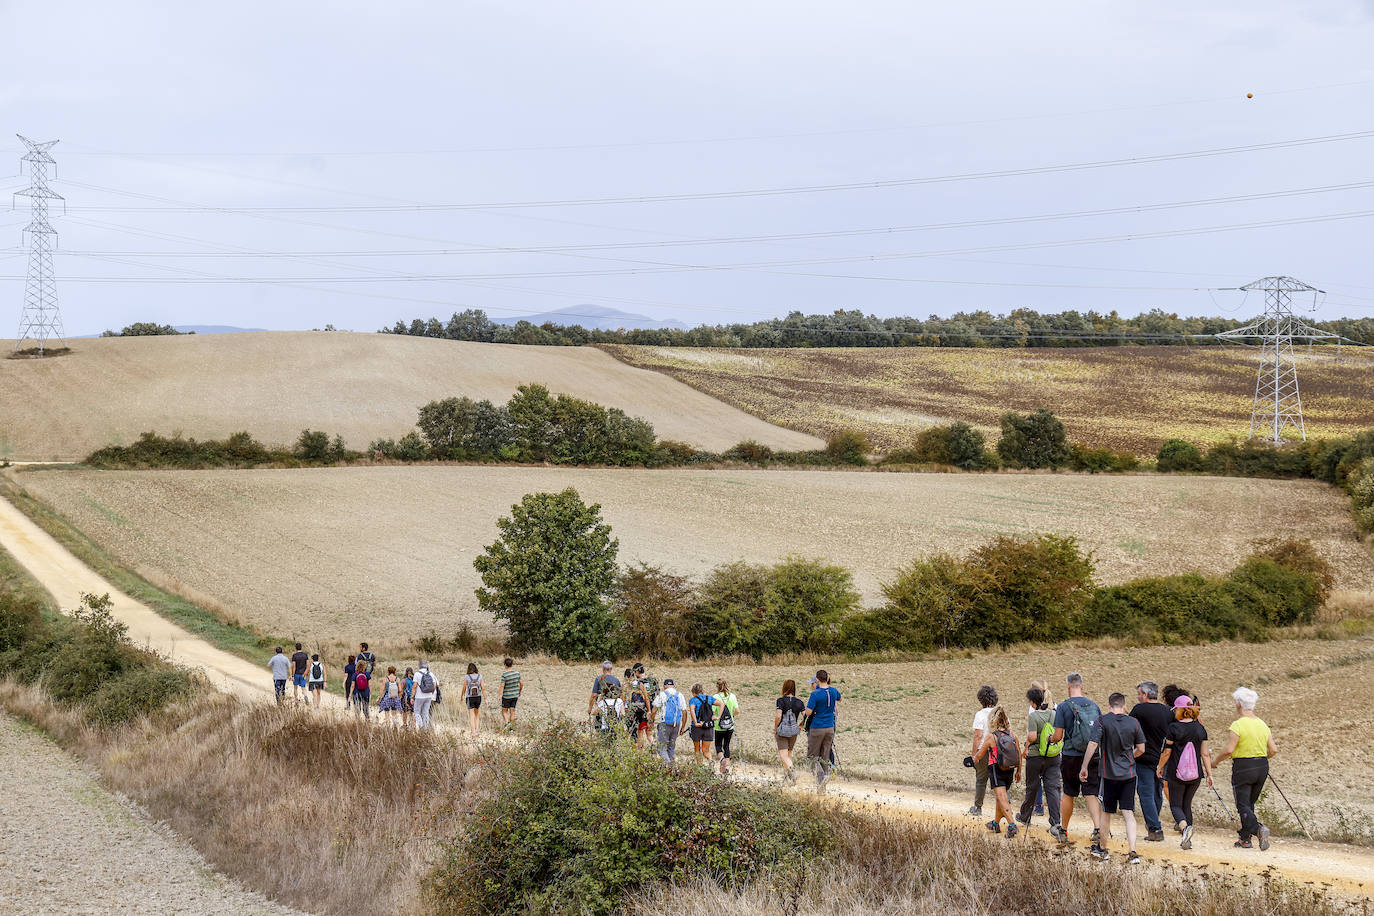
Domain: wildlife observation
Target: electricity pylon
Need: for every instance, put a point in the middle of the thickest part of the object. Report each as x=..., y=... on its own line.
x=41, y=320
x=1278, y=401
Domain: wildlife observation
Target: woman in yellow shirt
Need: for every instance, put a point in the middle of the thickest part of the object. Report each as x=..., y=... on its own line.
x=1250, y=748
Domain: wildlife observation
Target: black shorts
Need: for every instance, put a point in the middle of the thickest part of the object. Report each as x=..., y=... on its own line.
x=509, y=702
x=1117, y=794
x=474, y=702
x=999, y=778
x=1070, y=768
x=702, y=732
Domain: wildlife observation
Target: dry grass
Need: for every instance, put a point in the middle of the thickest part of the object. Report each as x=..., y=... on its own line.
x=364, y=386
x=385, y=554
x=1128, y=398
x=330, y=815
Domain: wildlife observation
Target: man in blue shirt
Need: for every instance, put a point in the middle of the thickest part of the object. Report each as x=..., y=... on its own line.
x=821, y=707
x=281, y=669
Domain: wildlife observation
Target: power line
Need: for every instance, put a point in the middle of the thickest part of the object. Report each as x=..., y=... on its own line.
x=779, y=191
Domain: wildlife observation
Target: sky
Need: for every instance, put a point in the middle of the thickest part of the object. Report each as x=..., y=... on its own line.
x=288, y=165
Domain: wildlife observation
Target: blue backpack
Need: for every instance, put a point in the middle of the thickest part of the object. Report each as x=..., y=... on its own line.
x=672, y=709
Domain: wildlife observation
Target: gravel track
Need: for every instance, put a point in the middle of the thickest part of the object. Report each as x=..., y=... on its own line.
x=69, y=846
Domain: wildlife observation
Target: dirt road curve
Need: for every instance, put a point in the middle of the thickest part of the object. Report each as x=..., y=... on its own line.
x=1346, y=867
x=69, y=846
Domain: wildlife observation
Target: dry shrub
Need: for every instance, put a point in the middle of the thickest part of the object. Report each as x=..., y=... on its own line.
x=319, y=811
x=882, y=864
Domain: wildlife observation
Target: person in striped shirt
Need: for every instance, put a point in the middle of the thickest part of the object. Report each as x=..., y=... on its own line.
x=512, y=684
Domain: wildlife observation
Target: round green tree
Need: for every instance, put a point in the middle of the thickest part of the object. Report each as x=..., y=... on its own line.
x=550, y=574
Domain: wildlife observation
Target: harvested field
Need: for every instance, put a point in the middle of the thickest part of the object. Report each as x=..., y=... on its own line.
x=363, y=386
x=386, y=552
x=1127, y=398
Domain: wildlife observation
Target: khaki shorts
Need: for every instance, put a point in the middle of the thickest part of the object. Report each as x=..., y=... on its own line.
x=785, y=744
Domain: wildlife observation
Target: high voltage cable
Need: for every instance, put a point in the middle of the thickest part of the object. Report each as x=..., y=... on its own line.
x=775, y=191
x=783, y=237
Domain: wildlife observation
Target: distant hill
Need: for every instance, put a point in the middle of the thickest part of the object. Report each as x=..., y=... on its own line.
x=595, y=316
x=213, y=329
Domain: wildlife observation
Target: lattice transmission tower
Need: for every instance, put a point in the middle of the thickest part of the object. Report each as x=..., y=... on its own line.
x=1278, y=400
x=41, y=320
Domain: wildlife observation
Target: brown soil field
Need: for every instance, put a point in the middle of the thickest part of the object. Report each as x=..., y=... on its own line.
x=385, y=553
x=362, y=386
x=1126, y=398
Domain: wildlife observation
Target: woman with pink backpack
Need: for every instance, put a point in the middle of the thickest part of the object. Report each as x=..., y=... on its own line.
x=1183, y=763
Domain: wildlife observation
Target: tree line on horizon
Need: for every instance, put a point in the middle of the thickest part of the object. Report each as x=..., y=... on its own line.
x=852, y=328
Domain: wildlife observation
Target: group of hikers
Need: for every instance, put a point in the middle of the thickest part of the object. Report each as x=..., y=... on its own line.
x=1109, y=759
x=404, y=699
x=652, y=712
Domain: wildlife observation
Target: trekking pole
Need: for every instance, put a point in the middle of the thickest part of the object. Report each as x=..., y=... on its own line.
x=1224, y=806
x=1289, y=804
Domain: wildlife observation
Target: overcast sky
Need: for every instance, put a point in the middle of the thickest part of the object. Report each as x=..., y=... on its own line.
x=169, y=113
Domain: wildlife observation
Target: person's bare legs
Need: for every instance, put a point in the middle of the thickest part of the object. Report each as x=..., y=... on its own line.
x=1095, y=815
x=1002, y=805
x=1129, y=816
x=785, y=756
x=1065, y=811
x=473, y=715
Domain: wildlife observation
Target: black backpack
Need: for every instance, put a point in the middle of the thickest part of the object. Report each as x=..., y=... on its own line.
x=706, y=716
x=426, y=682
x=1008, y=754
x=727, y=721
x=316, y=672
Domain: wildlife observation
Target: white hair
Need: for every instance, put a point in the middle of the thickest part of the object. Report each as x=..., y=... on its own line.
x=1246, y=697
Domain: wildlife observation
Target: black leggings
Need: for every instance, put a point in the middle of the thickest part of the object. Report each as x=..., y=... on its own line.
x=723, y=743
x=1247, y=780
x=1181, y=799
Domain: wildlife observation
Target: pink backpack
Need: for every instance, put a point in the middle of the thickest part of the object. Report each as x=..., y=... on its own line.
x=1187, y=763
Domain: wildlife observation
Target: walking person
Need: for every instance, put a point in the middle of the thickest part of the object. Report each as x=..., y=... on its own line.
x=1183, y=763
x=1250, y=746
x=727, y=707
x=408, y=698
x=702, y=722
x=1074, y=719
x=512, y=685
x=1001, y=753
x=787, y=726
x=1049, y=704
x=316, y=679
x=362, y=692
x=390, y=703
x=1043, y=776
x=822, y=712
x=350, y=670
x=366, y=660
x=638, y=708
x=299, y=660
x=426, y=692
x=603, y=704
x=1122, y=741
x=473, y=690
x=987, y=700
x=281, y=670
x=1154, y=718
x=672, y=706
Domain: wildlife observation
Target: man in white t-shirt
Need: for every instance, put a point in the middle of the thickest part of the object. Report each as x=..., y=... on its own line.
x=987, y=698
x=424, y=699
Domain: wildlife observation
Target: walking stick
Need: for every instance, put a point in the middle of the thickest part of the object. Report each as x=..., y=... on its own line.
x=1224, y=806
x=1289, y=804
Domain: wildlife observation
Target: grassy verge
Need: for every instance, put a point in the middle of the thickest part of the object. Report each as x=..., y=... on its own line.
x=231, y=636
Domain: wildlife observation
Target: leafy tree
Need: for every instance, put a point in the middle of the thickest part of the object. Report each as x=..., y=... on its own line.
x=967, y=447
x=733, y=611
x=533, y=425
x=1179, y=455
x=312, y=446
x=809, y=599
x=549, y=575
x=1034, y=440
x=652, y=607
x=145, y=329
x=848, y=446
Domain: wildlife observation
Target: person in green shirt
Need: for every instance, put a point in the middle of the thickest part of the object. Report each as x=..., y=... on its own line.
x=1042, y=770
x=1250, y=747
x=512, y=685
x=727, y=707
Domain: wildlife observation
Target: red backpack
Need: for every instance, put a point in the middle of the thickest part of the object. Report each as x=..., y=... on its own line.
x=360, y=682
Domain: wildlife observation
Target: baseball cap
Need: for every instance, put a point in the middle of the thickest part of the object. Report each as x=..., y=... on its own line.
x=1183, y=701
x=667, y=682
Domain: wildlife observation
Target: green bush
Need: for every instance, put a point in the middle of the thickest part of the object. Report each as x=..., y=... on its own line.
x=550, y=574
x=847, y=446
x=1186, y=608
x=1274, y=593
x=572, y=826
x=1299, y=555
x=932, y=447
x=154, y=451
x=732, y=611
x=1362, y=494
x=1257, y=458
x=651, y=608
x=1179, y=455
x=927, y=606
x=1034, y=440
x=750, y=451
x=312, y=447
x=138, y=690
x=968, y=449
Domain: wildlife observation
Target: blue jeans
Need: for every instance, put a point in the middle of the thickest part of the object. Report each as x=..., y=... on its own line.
x=1150, y=789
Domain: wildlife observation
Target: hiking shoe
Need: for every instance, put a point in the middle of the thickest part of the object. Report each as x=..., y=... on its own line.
x=1187, y=838
x=1098, y=853
x=995, y=826
x=1060, y=834
x=1242, y=844
x=975, y=811
x=1039, y=810
x=1133, y=858
x=1023, y=820
x=1155, y=836
x=1264, y=837
x=1011, y=831
x=1097, y=837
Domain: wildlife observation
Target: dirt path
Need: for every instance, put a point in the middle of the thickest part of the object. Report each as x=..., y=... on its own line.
x=69, y=846
x=1346, y=867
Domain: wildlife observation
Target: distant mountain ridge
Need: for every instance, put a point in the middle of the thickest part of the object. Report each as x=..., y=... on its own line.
x=214, y=329
x=594, y=316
